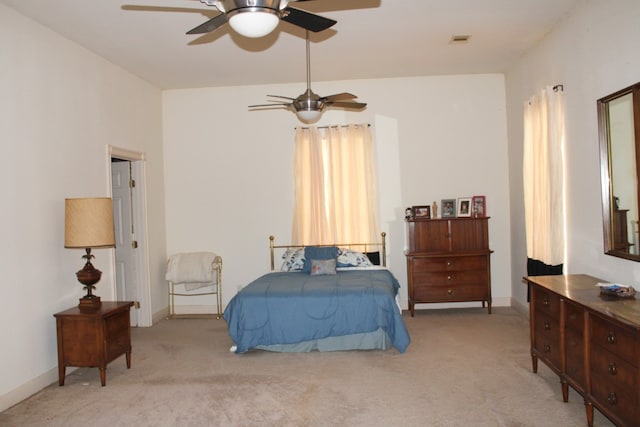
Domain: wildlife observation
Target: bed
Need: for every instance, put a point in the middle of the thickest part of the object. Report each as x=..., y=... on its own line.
x=324, y=298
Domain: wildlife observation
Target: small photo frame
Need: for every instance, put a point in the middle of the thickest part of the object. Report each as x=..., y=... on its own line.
x=464, y=207
x=421, y=212
x=448, y=208
x=479, y=206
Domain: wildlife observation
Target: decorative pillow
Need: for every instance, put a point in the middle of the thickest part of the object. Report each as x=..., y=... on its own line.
x=374, y=257
x=318, y=252
x=321, y=267
x=293, y=259
x=350, y=258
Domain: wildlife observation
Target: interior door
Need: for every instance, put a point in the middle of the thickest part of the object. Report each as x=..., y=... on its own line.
x=125, y=252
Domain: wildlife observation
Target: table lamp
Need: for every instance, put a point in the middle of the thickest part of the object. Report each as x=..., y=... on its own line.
x=88, y=223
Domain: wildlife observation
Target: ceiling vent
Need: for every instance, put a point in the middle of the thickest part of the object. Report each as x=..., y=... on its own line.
x=459, y=38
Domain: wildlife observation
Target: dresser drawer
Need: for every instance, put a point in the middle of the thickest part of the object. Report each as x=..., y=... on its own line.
x=438, y=264
x=451, y=278
x=547, y=338
x=615, y=338
x=452, y=292
x=545, y=302
x=574, y=317
x=575, y=360
x=614, y=384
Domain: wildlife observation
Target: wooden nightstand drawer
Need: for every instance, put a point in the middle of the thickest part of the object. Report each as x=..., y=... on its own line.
x=615, y=338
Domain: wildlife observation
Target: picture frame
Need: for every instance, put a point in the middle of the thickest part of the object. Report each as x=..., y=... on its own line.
x=421, y=212
x=464, y=207
x=448, y=208
x=479, y=206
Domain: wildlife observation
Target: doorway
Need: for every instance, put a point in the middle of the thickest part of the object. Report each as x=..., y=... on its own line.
x=131, y=254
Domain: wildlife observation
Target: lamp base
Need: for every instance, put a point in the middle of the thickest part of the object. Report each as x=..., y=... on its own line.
x=89, y=276
x=89, y=303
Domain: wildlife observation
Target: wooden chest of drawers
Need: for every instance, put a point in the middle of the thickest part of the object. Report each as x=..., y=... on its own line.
x=448, y=260
x=591, y=342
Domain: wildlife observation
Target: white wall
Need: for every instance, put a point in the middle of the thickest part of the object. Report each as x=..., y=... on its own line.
x=60, y=106
x=228, y=171
x=593, y=53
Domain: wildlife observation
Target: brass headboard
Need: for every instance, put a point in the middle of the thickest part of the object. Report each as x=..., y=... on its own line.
x=381, y=246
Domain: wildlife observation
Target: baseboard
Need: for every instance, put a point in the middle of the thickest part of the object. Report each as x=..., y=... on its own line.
x=30, y=388
x=520, y=308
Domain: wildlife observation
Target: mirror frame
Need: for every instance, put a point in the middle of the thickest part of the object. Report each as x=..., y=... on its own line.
x=606, y=166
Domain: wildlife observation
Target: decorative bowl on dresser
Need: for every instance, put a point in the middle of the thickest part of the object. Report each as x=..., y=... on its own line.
x=448, y=260
x=591, y=341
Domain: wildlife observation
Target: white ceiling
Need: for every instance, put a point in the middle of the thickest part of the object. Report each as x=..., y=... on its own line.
x=372, y=39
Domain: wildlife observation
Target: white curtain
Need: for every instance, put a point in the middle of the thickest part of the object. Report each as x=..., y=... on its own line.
x=543, y=172
x=335, y=197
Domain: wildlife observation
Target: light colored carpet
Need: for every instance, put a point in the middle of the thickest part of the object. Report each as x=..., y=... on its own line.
x=463, y=368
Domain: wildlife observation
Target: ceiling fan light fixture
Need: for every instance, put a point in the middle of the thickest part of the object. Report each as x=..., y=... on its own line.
x=309, y=116
x=254, y=22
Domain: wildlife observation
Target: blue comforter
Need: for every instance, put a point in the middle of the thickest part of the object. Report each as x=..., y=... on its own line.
x=292, y=307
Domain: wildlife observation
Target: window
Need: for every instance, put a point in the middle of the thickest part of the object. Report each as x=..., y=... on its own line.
x=334, y=176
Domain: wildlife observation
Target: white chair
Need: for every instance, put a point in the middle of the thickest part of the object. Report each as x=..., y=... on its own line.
x=194, y=271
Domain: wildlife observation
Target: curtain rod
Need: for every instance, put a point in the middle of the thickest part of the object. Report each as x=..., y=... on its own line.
x=334, y=126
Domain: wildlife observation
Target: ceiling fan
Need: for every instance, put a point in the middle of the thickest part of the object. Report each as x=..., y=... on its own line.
x=257, y=18
x=309, y=106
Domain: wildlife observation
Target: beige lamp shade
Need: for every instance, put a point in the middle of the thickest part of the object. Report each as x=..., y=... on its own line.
x=88, y=223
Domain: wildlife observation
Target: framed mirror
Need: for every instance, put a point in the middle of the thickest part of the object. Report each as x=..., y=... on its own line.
x=619, y=128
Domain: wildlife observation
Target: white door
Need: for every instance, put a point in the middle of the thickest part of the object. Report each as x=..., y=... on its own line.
x=125, y=252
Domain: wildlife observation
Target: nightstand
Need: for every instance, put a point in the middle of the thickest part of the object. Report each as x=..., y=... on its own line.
x=95, y=338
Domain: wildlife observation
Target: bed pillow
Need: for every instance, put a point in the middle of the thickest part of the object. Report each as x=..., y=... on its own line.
x=351, y=258
x=293, y=259
x=374, y=257
x=318, y=252
x=320, y=267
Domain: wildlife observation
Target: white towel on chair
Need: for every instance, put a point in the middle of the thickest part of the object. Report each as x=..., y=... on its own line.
x=194, y=269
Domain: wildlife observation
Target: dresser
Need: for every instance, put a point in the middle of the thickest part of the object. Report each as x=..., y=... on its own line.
x=620, y=230
x=591, y=341
x=93, y=338
x=448, y=260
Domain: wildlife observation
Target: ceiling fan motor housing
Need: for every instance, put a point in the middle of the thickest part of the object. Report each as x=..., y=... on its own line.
x=309, y=101
x=238, y=6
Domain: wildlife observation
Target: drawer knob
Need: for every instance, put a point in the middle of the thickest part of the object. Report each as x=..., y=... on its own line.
x=449, y=277
x=547, y=325
x=545, y=301
x=611, y=338
x=612, y=368
x=612, y=398
x=449, y=263
x=547, y=348
x=450, y=291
